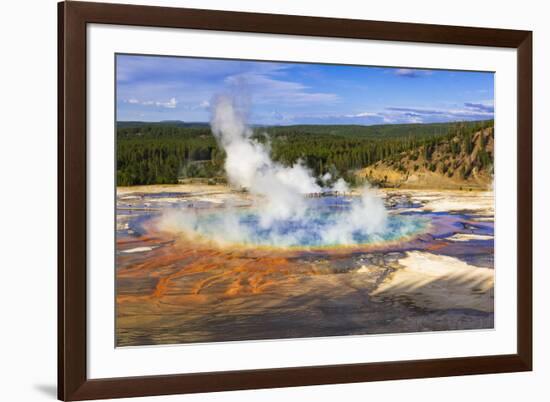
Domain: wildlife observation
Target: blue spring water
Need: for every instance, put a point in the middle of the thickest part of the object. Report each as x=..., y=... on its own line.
x=310, y=230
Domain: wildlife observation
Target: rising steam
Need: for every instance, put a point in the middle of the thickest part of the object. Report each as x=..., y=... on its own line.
x=279, y=192
x=249, y=165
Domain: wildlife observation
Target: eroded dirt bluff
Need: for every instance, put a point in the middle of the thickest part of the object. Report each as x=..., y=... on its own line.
x=464, y=161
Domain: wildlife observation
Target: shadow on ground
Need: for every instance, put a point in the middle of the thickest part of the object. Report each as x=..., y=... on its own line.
x=47, y=389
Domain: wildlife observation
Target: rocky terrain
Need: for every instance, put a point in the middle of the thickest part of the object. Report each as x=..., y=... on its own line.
x=461, y=162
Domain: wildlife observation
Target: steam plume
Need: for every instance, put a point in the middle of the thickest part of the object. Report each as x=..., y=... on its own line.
x=279, y=191
x=249, y=165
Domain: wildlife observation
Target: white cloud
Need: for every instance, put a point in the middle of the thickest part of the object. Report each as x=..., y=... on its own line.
x=478, y=110
x=363, y=114
x=170, y=104
x=270, y=90
x=411, y=73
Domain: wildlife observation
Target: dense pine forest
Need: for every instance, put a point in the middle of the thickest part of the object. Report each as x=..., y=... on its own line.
x=167, y=152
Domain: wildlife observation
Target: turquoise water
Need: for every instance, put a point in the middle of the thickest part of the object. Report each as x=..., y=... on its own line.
x=322, y=225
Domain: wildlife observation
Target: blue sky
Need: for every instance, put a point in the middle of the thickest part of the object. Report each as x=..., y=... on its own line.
x=153, y=88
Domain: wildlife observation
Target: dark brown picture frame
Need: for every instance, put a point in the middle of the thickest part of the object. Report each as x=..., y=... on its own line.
x=73, y=17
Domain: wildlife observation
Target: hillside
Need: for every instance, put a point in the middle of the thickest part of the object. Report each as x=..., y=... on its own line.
x=464, y=160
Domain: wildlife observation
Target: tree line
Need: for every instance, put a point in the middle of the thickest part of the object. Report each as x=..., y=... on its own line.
x=149, y=153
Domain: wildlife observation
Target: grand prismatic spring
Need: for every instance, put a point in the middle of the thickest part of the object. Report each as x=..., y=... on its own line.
x=290, y=258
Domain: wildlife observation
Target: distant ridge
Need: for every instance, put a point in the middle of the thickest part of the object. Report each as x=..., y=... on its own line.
x=346, y=130
x=163, y=123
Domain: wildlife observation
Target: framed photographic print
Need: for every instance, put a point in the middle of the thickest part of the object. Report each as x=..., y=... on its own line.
x=253, y=200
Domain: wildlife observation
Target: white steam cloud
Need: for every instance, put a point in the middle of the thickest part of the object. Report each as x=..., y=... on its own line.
x=249, y=165
x=279, y=192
